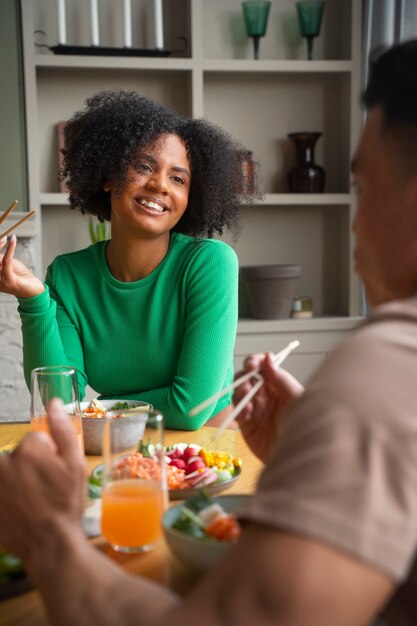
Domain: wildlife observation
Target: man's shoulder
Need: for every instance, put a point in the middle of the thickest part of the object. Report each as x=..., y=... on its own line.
x=382, y=332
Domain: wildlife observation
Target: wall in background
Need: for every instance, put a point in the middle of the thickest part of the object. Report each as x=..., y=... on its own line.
x=14, y=397
x=13, y=180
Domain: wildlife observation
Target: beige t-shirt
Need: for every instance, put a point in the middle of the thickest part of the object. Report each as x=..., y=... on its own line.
x=344, y=468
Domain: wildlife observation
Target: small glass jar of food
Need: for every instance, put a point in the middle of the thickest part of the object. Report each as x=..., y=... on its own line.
x=302, y=307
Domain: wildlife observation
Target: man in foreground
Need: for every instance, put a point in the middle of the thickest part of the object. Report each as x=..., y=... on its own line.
x=332, y=530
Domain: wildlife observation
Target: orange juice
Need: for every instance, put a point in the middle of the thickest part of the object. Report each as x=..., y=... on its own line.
x=40, y=424
x=131, y=513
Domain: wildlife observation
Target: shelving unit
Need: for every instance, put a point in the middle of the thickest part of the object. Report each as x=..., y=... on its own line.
x=259, y=102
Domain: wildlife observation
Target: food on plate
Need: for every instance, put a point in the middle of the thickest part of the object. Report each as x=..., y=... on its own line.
x=201, y=517
x=96, y=410
x=186, y=465
x=199, y=467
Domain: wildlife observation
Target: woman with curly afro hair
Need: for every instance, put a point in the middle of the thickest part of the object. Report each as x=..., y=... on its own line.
x=150, y=314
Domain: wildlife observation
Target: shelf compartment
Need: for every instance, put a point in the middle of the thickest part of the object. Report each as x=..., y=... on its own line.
x=57, y=103
x=224, y=33
x=177, y=24
x=270, y=109
x=315, y=237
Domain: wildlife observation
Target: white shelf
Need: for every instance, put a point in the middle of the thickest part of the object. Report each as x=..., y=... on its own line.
x=175, y=64
x=305, y=199
x=58, y=199
x=104, y=62
x=322, y=323
x=270, y=199
x=308, y=67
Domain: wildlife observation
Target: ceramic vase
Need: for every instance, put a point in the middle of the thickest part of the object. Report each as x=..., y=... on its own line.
x=306, y=176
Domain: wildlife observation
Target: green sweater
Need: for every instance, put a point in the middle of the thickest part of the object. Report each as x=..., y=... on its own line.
x=167, y=339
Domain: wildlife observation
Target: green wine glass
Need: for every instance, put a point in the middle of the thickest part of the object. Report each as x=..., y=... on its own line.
x=310, y=15
x=256, y=14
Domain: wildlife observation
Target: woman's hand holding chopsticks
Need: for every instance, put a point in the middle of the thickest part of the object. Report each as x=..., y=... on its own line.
x=15, y=278
x=260, y=418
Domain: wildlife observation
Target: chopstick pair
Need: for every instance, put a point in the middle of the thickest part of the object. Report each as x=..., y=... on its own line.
x=278, y=358
x=6, y=215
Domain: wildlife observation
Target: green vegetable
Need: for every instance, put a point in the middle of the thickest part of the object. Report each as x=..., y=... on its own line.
x=97, y=231
x=189, y=523
x=146, y=449
x=185, y=511
x=198, y=502
x=119, y=406
x=223, y=475
x=94, y=488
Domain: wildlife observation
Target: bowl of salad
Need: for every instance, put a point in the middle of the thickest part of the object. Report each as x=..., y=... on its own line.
x=202, y=529
x=188, y=468
x=128, y=433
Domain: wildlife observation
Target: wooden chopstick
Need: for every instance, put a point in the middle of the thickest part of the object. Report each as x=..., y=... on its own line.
x=8, y=211
x=278, y=358
x=26, y=217
x=239, y=381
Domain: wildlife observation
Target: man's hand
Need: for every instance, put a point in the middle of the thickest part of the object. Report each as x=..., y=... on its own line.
x=260, y=418
x=41, y=481
x=15, y=278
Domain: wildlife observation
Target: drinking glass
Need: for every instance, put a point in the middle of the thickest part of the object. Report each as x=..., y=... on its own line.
x=256, y=19
x=59, y=381
x=310, y=14
x=134, y=484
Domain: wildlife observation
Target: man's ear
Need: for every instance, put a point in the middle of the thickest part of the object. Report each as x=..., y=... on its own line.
x=106, y=186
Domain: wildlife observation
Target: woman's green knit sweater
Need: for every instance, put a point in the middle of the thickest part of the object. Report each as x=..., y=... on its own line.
x=167, y=338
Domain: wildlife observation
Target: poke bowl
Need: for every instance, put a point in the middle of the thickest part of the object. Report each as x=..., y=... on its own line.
x=199, y=533
x=127, y=433
x=188, y=467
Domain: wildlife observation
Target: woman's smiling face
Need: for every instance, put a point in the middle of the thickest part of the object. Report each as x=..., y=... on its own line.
x=155, y=193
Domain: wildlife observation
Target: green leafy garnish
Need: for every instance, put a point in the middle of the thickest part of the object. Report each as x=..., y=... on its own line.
x=94, y=488
x=146, y=449
x=120, y=406
x=189, y=523
x=199, y=502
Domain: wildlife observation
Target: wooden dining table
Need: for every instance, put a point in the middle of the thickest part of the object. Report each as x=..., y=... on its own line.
x=159, y=564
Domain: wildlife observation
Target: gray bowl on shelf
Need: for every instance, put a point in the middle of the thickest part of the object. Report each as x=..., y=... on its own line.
x=269, y=289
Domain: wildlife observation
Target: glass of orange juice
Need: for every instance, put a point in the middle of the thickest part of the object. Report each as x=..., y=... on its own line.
x=59, y=381
x=134, y=482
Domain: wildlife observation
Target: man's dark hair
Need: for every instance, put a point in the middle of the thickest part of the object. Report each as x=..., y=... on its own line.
x=102, y=140
x=393, y=86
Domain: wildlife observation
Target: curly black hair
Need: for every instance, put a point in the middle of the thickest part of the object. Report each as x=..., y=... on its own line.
x=102, y=140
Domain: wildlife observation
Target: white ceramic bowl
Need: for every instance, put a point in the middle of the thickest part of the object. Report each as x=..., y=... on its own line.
x=195, y=553
x=127, y=432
